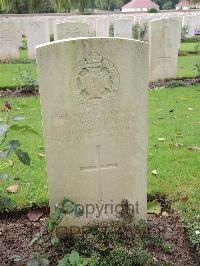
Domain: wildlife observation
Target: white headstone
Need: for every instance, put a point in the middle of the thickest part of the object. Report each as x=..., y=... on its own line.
x=19, y=31
x=9, y=40
x=94, y=107
x=191, y=22
x=164, y=44
x=123, y=28
x=37, y=32
x=91, y=21
x=69, y=29
x=102, y=27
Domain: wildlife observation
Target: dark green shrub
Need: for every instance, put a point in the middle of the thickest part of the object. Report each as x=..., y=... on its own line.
x=136, y=31
x=26, y=81
x=184, y=32
x=153, y=10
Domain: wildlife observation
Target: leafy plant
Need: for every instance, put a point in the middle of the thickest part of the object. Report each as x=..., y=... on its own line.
x=38, y=259
x=13, y=146
x=16, y=258
x=140, y=256
x=153, y=10
x=197, y=48
x=136, y=31
x=5, y=201
x=175, y=84
x=143, y=31
x=119, y=256
x=123, y=256
x=167, y=248
x=73, y=259
x=62, y=208
x=111, y=30
x=184, y=32
x=154, y=207
x=193, y=229
x=158, y=241
x=25, y=80
x=197, y=68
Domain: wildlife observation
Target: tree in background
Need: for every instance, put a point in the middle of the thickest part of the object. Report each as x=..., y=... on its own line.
x=194, y=1
x=62, y=5
x=163, y=4
x=168, y=5
x=26, y=6
x=45, y=6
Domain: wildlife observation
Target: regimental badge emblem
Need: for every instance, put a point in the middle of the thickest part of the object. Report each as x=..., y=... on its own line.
x=96, y=77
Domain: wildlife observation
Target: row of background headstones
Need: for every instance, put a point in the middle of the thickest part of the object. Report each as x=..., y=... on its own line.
x=163, y=32
x=38, y=30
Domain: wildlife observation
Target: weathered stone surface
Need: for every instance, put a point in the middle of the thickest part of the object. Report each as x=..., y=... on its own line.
x=9, y=40
x=71, y=29
x=123, y=28
x=37, y=32
x=91, y=21
x=94, y=107
x=102, y=27
x=164, y=36
x=191, y=23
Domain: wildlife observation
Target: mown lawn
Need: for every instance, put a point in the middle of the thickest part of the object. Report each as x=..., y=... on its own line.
x=9, y=73
x=188, y=47
x=175, y=158
x=186, y=66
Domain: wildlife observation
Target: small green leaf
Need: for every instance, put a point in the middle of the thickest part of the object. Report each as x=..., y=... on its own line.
x=5, y=201
x=18, y=118
x=13, y=144
x=23, y=129
x=74, y=258
x=3, y=129
x=23, y=157
x=38, y=259
x=16, y=258
x=154, y=207
x=37, y=238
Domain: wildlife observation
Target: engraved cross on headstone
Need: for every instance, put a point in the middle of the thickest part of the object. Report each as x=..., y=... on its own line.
x=99, y=167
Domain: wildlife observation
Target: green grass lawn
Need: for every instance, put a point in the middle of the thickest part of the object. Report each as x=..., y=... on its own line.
x=10, y=72
x=186, y=65
x=23, y=54
x=178, y=167
x=35, y=174
x=188, y=47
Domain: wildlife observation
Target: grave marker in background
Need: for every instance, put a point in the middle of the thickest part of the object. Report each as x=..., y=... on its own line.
x=37, y=32
x=164, y=44
x=69, y=29
x=123, y=28
x=102, y=27
x=9, y=40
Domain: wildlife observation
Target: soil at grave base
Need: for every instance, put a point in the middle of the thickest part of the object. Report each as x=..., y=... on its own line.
x=169, y=83
x=16, y=92
x=24, y=92
x=16, y=232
